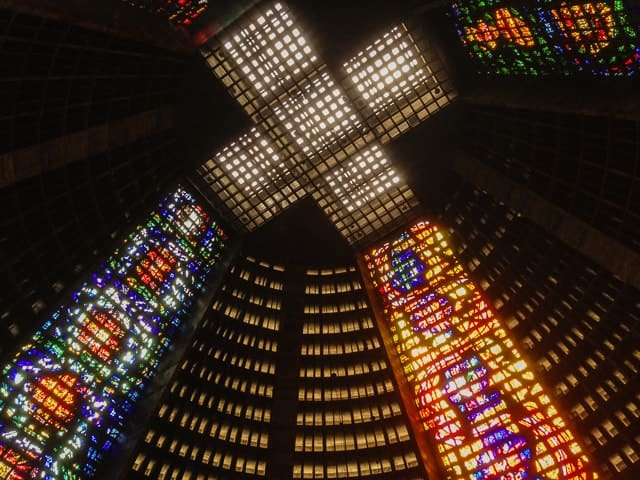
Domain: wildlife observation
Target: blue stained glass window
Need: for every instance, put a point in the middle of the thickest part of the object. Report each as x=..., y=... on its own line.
x=66, y=394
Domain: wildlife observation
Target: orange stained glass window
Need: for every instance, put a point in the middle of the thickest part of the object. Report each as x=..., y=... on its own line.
x=54, y=399
x=590, y=25
x=479, y=401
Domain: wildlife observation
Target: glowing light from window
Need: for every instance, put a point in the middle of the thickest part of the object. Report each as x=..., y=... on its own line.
x=388, y=69
x=252, y=162
x=591, y=26
x=65, y=396
x=479, y=401
x=271, y=51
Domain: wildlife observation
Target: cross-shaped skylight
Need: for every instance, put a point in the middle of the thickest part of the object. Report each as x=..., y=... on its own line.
x=315, y=134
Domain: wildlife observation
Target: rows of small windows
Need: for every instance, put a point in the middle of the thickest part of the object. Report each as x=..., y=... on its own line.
x=327, y=371
x=250, y=318
x=606, y=353
x=352, y=392
x=272, y=303
x=616, y=380
x=161, y=470
x=242, y=385
x=333, y=288
x=578, y=322
x=625, y=457
x=575, y=289
x=226, y=406
x=356, y=469
x=625, y=453
x=340, y=348
x=231, y=334
x=221, y=430
x=559, y=330
x=246, y=339
x=344, y=326
x=254, y=364
x=260, y=280
x=339, y=441
x=326, y=272
x=606, y=430
x=354, y=415
x=349, y=306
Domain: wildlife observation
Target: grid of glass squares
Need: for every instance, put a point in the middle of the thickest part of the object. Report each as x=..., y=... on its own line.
x=271, y=51
x=253, y=178
x=363, y=194
x=317, y=113
x=328, y=132
x=388, y=69
x=397, y=81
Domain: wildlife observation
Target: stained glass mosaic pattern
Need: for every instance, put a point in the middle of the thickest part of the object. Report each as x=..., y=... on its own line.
x=67, y=393
x=271, y=51
x=550, y=37
x=179, y=12
x=478, y=400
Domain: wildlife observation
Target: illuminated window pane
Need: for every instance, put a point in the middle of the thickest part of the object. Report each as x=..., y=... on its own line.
x=477, y=399
x=264, y=181
x=362, y=178
x=253, y=163
x=364, y=195
x=317, y=113
x=271, y=50
x=67, y=393
x=389, y=69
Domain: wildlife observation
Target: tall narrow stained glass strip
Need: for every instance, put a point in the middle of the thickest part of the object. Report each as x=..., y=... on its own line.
x=478, y=400
x=65, y=396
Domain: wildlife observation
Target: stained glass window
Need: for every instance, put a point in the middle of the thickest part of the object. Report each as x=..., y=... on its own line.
x=550, y=37
x=389, y=69
x=65, y=395
x=477, y=398
x=179, y=12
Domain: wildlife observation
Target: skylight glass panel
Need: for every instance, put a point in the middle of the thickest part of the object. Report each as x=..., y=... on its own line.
x=317, y=114
x=252, y=162
x=362, y=178
x=253, y=178
x=389, y=69
x=271, y=51
x=365, y=195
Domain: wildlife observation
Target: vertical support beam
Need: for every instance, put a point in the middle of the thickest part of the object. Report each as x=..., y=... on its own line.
x=286, y=382
x=428, y=454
